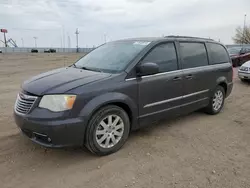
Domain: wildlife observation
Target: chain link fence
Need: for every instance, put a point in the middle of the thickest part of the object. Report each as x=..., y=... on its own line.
x=41, y=50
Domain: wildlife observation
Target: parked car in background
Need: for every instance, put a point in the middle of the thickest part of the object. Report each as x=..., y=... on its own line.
x=123, y=86
x=34, y=50
x=1, y=51
x=244, y=71
x=239, y=55
x=244, y=55
x=50, y=50
x=234, y=53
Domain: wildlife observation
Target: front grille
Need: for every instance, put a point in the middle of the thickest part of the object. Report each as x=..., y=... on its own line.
x=24, y=103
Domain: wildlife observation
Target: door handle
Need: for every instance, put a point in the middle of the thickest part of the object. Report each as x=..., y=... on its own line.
x=177, y=78
x=190, y=76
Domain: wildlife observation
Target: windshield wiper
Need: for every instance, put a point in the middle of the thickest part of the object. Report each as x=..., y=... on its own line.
x=74, y=66
x=91, y=69
x=87, y=68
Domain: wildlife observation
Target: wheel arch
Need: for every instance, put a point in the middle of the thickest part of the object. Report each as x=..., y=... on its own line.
x=118, y=99
x=224, y=85
x=222, y=81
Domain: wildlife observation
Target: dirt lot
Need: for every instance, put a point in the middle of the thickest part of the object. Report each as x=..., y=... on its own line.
x=193, y=151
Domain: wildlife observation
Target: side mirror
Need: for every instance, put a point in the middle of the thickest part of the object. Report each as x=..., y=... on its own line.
x=147, y=69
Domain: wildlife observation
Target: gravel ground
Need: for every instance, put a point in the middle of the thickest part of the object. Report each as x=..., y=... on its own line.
x=197, y=150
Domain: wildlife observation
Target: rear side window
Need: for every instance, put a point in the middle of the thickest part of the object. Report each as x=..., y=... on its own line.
x=193, y=54
x=217, y=54
x=164, y=55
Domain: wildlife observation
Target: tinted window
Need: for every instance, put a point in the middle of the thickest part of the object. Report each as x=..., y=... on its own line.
x=217, y=54
x=112, y=57
x=193, y=55
x=164, y=55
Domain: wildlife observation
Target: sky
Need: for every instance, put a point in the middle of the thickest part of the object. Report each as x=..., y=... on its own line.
x=54, y=22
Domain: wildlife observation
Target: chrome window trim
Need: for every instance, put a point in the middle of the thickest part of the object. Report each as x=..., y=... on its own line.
x=176, y=98
x=175, y=71
x=206, y=66
x=162, y=73
x=158, y=74
x=130, y=79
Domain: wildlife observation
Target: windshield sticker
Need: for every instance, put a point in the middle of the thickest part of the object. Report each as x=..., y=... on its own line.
x=141, y=43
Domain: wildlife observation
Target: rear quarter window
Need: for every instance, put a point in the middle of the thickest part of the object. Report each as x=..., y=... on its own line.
x=217, y=54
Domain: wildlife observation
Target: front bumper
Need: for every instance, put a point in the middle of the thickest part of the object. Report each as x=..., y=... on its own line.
x=52, y=133
x=244, y=75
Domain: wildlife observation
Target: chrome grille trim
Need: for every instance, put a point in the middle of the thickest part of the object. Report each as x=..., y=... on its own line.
x=24, y=103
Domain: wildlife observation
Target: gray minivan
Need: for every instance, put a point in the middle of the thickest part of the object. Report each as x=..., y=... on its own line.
x=122, y=86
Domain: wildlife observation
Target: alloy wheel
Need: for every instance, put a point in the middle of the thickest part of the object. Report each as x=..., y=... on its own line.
x=217, y=100
x=109, y=131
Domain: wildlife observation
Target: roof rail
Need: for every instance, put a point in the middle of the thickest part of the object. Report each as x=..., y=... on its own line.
x=177, y=36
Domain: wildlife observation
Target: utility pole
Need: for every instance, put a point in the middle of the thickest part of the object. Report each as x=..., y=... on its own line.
x=35, y=38
x=77, y=33
x=69, y=45
x=61, y=42
x=244, y=29
x=63, y=38
x=22, y=42
x=105, y=38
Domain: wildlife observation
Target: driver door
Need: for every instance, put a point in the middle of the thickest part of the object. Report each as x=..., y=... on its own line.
x=160, y=95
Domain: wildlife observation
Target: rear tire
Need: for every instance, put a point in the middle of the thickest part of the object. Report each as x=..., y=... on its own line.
x=107, y=131
x=216, y=101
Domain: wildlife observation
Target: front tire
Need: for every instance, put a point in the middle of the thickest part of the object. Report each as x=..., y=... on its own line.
x=216, y=102
x=107, y=131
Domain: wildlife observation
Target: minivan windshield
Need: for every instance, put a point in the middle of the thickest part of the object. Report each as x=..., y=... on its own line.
x=112, y=57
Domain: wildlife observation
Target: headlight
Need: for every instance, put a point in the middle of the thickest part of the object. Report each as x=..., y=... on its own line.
x=57, y=103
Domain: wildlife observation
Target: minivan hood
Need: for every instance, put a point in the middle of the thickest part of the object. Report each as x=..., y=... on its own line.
x=61, y=80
